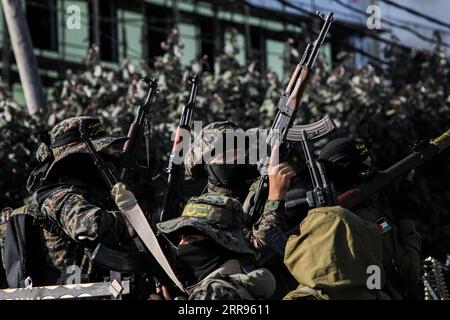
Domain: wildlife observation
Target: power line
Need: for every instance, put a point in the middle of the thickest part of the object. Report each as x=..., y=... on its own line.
x=395, y=25
x=296, y=7
x=268, y=13
x=273, y=13
x=416, y=13
x=346, y=45
x=371, y=35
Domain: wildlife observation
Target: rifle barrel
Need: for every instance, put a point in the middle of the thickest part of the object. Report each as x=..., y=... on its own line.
x=354, y=197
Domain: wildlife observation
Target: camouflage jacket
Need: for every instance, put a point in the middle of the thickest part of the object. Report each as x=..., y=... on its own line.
x=230, y=283
x=3, y=222
x=273, y=216
x=85, y=222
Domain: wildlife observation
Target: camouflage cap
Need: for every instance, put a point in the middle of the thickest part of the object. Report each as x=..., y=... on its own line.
x=204, y=144
x=65, y=138
x=217, y=216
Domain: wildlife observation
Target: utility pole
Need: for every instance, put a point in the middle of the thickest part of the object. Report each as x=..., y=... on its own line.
x=217, y=32
x=6, y=54
x=144, y=39
x=124, y=35
x=176, y=15
x=25, y=59
x=248, y=38
x=96, y=22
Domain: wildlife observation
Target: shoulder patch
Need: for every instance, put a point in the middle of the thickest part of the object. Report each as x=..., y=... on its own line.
x=383, y=226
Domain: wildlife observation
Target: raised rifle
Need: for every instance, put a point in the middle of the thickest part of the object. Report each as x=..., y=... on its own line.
x=134, y=215
x=137, y=127
x=282, y=132
x=138, y=131
x=421, y=153
x=175, y=171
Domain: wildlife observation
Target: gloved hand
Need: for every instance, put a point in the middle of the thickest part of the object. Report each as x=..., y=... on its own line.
x=405, y=202
x=124, y=199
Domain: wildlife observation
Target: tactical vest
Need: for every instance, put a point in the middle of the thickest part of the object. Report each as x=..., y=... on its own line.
x=24, y=252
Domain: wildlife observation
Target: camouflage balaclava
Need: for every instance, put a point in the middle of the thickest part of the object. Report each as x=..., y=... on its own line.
x=217, y=155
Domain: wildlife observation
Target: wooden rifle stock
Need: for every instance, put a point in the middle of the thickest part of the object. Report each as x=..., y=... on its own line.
x=299, y=89
x=136, y=131
x=132, y=134
x=287, y=110
x=175, y=171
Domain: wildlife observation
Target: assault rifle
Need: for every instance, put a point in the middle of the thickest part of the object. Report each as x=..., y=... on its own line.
x=282, y=131
x=350, y=199
x=134, y=215
x=421, y=154
x=175, y=171
x=140, y=128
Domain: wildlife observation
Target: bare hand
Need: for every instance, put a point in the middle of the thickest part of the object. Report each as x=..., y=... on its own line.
x=410, y=176
x=280, y=176
x=161, y=294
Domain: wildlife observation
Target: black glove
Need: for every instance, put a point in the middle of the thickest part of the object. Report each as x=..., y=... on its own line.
x=404, y=201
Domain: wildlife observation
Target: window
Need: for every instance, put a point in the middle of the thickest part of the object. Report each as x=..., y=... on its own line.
x=275, y=51
x=208, y=40
x=258, y=47
x=188, y=38
x=41, y=16
x=159, y=22
x=107, y=28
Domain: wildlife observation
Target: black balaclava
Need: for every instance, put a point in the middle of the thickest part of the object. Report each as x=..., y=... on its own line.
x=235, y=177
x=344, y=162
x=294, y=217
x=77, y=166
x=222, y=175
x=200, y=258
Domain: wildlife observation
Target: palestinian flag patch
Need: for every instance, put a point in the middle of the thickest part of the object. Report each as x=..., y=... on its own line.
x=383, y=226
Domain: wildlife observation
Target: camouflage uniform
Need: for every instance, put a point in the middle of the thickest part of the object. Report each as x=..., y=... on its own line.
x=220, y=219
x=85, y=221
x=273, y=215
x=3, y=222
x=229, y=283
x=79, y=215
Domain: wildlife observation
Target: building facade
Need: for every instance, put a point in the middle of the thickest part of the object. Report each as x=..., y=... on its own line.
x=63, y=30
